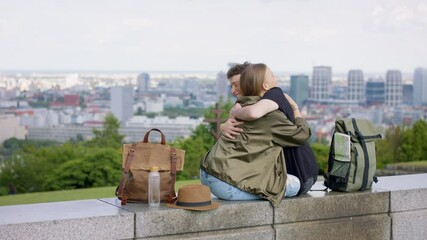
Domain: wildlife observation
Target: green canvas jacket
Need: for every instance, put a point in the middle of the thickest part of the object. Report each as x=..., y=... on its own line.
x=254, y=161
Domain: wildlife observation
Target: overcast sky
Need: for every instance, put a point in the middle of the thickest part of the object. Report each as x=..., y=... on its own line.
x=205, y=35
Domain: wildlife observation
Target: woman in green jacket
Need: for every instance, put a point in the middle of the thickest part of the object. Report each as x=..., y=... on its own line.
x=252, y=165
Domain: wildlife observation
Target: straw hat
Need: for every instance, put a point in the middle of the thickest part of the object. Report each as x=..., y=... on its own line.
x=194, y=197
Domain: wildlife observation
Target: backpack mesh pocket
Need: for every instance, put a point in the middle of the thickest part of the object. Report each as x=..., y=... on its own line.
x=340, y=169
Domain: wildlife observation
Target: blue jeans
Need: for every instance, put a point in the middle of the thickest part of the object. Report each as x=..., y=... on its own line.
x=223, y=190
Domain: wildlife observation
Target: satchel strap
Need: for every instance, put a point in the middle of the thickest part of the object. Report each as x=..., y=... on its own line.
x=172, y=194
x=163, y=140
x=125, y=173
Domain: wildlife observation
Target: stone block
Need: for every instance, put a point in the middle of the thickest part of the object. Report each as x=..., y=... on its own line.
x=408, y=200
x=409, y=225
x=262, y=233
x=354, y=228
x=87, y=219
x=326, y=205
x=407, y=192
x=165, y=221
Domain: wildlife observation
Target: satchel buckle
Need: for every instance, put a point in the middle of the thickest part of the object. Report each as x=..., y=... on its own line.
x=124, y=200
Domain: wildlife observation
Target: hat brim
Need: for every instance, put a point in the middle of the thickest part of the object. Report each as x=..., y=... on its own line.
x=202, y=208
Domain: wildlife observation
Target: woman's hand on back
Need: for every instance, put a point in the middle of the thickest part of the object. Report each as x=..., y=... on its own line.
x=292, y=102
x=233, y=110
x=294, y=106
x=230, y=129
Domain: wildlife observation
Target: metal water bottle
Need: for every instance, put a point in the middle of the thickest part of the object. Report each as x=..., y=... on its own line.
x=154, y=187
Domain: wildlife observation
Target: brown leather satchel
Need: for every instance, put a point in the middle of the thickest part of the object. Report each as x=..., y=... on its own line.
x=137, y=160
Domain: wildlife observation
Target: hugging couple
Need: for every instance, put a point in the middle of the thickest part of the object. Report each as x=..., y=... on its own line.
x=263, y=151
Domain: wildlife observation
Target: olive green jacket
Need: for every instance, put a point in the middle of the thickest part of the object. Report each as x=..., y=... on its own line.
x=254, y=161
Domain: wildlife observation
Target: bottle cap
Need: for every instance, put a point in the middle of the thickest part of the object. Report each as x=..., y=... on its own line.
x=154, y=169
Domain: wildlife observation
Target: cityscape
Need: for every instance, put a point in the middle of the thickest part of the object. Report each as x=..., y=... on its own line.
x=70, y=68
x=64, y=67
x=60, y=106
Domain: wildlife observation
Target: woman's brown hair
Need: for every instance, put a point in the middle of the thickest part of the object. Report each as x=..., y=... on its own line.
x=252, y=79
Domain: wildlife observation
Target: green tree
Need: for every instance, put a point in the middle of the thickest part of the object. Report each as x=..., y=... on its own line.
x=77, y=140
x=109, y=136
x=387, y=149
x=151, y=114
x=9, y=146
x=139, y=112
x=196, y=146
x=38, y=166
x=12, y=144
x=321, y=151
x=24, y=172
x=96, y=168
x=413, y=147
x=28, y=167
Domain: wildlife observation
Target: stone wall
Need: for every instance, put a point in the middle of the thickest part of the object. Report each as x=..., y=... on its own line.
x=396, y=208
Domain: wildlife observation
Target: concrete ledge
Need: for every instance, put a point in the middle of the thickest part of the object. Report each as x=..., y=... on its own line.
x=362, y=227
x=262, y=233
x=407, y=192
x=165, y=221
x=88, y=219
x=408, y=205
x=409, y=225
x=396, y=208
x=327, y=205
x=405, y=200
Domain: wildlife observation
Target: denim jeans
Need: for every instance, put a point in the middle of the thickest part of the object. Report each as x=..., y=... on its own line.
x=223, y=190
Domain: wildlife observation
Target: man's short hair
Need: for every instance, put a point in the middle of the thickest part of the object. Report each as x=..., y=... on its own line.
x=237, y=69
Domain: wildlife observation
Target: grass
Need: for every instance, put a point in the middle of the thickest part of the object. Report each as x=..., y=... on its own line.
x=69, y=195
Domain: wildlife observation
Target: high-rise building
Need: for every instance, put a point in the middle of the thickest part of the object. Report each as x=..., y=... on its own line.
x=408, y=94
x=122, y=102
x=222, y=87
x=143, y=81
x=299, y=88
x=338, y=91
x=393, y=88
x=420, y=87
x=321, y=82
x=375, y=91
x=355, y=86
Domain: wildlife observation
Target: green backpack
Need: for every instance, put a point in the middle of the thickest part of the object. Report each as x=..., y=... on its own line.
x=352, y=157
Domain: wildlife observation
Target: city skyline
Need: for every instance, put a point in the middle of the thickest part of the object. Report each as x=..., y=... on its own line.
x=148, y=36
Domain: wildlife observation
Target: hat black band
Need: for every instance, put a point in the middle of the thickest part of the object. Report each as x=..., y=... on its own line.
x=193, y=204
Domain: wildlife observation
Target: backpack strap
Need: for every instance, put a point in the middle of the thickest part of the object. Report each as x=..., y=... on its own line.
x=125, y=174
x=172, y=194
x=365, y=153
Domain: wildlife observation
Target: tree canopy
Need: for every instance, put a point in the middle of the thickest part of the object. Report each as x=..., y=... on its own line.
x=39, y=165
x=29, y=165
